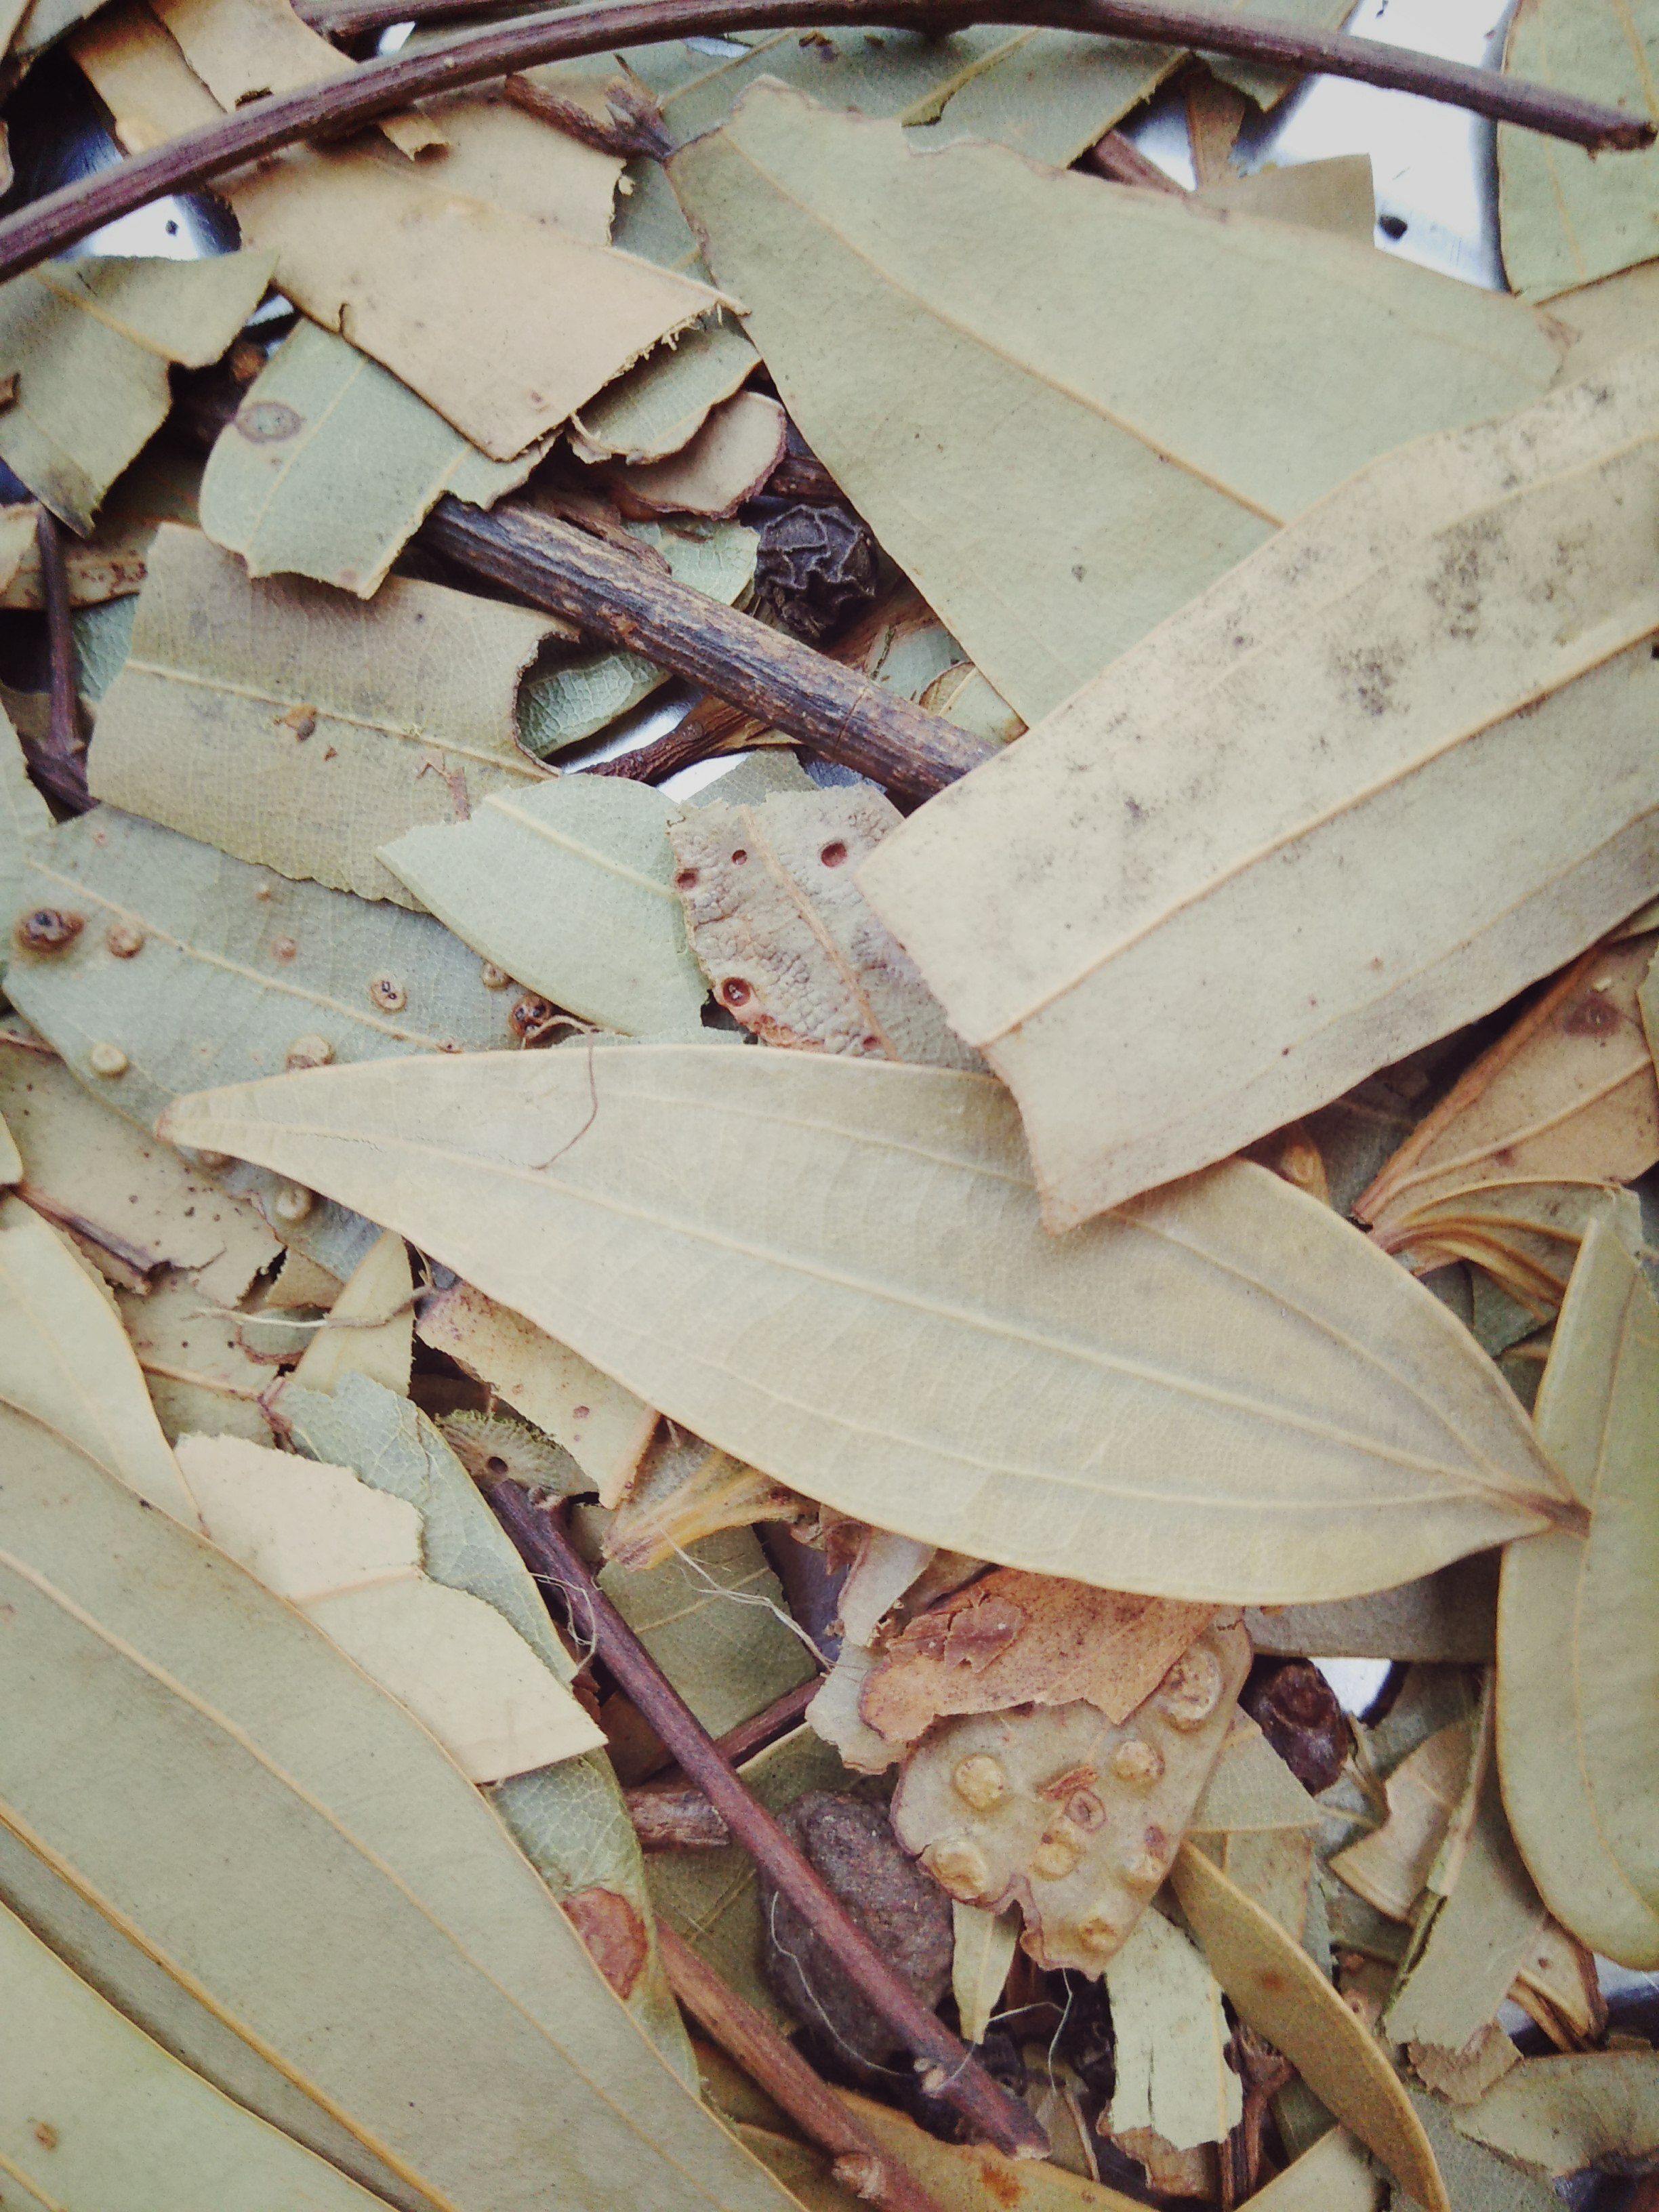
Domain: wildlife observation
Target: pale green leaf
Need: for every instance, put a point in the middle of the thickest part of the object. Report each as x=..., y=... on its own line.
x=933, y=357
x=575, y=700
x=329, y=463
x=1335, y=2176
x=24, y=816
x=982, y=1952
x=1251, y=1789
x=91, y=2111
x=1355, y=873
x=661, y=405
x=570, y=887
x=1117, y=1408
x=1171, y=2037
x=369, y=1329
x=1475, y=2180
x=1579, y=1625
x=200, y=1376
x=11, y=1160
x=1557, y=2116
x=300, y=1851
x=90, y=342
x=290, y=725
x=1450, y=1615
x=1568, y=218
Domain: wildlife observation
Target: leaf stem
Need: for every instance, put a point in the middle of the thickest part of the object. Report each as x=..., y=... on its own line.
x=49, y=224
x=560, y=1569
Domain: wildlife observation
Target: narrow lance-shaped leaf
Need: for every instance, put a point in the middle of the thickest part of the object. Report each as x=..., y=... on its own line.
x=24, y=815
x=1401, y=847
x=1117, y=1408
x=1579, y=1625
x=987, y=354
x=301, y=1853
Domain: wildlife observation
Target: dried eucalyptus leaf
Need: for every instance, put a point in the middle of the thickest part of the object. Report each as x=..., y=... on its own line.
x=985, y=1946
x=370, y=1328
x=1171, y=2040
x=569, y=887
x=1251, y=1789
x=1279, y=1991
x=1578, y=1623
x=199, y=1373
x=727, y=462
x=24, y=816
x=1068, y=884
x=91, y=2110
x=241, y=49
x=955, y=1374
x=1475, y=2180
x=886, y=292
x=1335, y=195
x=447, y=2011
x=1566, y=218
x=658, y=406
x=89, y=342
x=1390, y=1867
x=1557, y=2116
x=329, y=463
x=293, y=727
x=1335, y=2176
x=1450, y=1615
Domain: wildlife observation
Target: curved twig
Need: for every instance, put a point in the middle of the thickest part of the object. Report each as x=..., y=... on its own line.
x=46, y=226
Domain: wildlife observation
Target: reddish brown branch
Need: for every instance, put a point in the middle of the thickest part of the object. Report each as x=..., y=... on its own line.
x=46, y=226
x=745, y=2035
x=59, y=765
x=961, y=2079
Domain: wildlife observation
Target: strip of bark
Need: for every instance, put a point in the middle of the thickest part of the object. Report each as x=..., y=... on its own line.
x=1121, y=161
x=785, y=684
x=949, y=2067
x=48, y=225
x=676, y=1816
x=59, y=765
x=748, y=2037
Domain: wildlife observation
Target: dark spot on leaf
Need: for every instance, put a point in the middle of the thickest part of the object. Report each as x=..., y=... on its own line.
x=267, y=422
x=735, y=991
x=833, y=855
x=49, y=929
x=614, y=1934
x=1593, y=1016
x=686, y=880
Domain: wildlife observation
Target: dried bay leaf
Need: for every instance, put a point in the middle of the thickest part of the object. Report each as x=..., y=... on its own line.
x=12, y=1162
x=605, y=1428
x=1557, y=2116
x=659, y=407
x=241, y=49
x=24, y=816
x=570, y=888
x=570, y=1819
x=329, y=463
x=790, y=943
x=1400, y=612
x=370, y=1327
x=1566, y=219
x=91, y=2111
x=1251, y=1789
x=1171, y=2036
x=1056, y=363
x=685, y=1490
x=1335, y=195
x=1475, y=2180
x=727, y=462
x=984, y=1950
x=955, y=1374
x=444, y=2007
x=199, y=1373
x=1279, y=1991
x=1390, y=1867
x=1450, y=1615
x=1335, y=2176
x=90, y=342
x=293, y=727
x=1577, y=1629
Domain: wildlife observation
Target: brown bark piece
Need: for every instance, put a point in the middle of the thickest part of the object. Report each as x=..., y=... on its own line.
x=1018, y=1638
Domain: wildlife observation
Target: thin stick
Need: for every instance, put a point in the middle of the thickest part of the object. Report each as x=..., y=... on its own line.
x=950, y=2068
x=745, y=2035
x=837, y=711
x=47, y=224
x=739, y=1743
x=59, y=765
x=132, y=1257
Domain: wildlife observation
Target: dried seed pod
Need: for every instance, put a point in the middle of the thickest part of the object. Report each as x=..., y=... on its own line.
x=815, y=570
x=1302, y=1717
x=1071, y=1816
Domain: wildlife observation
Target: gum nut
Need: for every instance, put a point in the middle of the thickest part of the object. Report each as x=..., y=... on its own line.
x=1056, y=1855
x=980, y=1781
x=1191, y=1691
x=1098, y=1931
x=959, y=1867
x=293, y=1202
x=1144, y=1870
x=1137, y=1763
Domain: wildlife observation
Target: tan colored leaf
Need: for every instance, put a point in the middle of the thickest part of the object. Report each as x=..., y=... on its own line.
x=92, y=2112
x=198, y=1371
x=1557, y=2116
x=1250, y=1788
x=241, y=49
x=1171, y=2037
x=17, y=544
x=659, y=407
x=66, y=1363
x=1448, y=1616
x=1523, y=1238
x=1072, y=1817
x=685, y=1490
x=1274, y=1868
x=12, y=1162
x=1280, y=1992
x=1562, y=1970
x=1335, y=2176
x=1578, y=1623
x=569, y=887
x=90, y=342
x=446, y=2012
x=293, y=726
x=349, y=1557
x=24, y=817
x=1335, y=195
x=1390, y=1867
x=727, y=462
x=604, y=1427
x=1060, y=891
x=1568, y=1094
x=1018, y=1639
x=984, y=1951
x=159, y=486
x=787, y=938
x=370, y=1327
x=1463, y=2077
x=954, y=1374
x=933, y=355
x=329, y=464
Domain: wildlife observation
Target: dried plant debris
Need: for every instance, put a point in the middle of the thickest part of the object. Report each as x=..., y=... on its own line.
x=1074, y=1817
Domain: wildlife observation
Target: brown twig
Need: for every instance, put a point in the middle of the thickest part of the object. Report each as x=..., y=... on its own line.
x=746, y=2035
x=788, y=686
x=1121, y=161
x=748, y=1737
x=950, y=2069
x=47, y=224
x=59, y=765
x=132, y=1257
x=635, y=127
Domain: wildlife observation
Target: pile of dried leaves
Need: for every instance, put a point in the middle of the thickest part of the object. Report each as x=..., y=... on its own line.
x=674, y=1472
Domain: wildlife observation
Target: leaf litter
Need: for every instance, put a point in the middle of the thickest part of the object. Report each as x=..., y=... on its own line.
x=999, y=1301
